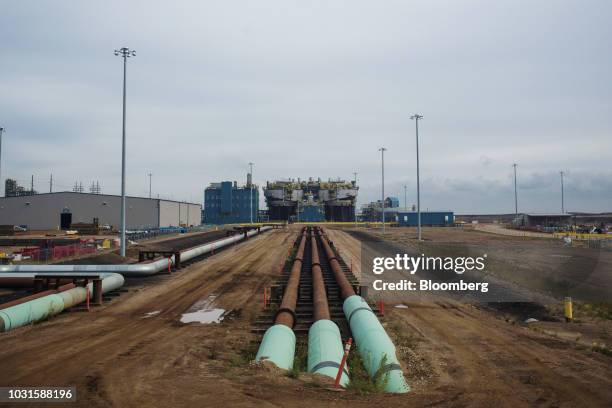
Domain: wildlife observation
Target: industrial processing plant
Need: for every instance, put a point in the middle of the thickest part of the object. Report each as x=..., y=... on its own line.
x=311, y=200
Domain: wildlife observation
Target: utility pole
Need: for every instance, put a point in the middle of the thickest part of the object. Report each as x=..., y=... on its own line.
x=1, y=131
x=150, y=184
x=251, y=191
x=382, y=153
x=51, y=184
x=515, y=193
x=416, y=117
x=125, y=53
x=32, y=185
x=405, y=197
x=562, y=197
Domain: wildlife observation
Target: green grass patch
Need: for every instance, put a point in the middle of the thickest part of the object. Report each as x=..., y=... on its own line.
x=360, y=381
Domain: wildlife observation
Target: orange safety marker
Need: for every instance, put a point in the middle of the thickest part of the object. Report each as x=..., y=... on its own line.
x=381, y=307
x=347, y=348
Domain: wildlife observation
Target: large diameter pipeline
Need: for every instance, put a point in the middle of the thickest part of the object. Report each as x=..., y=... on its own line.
x=373, y=343
x=50, y=305
x=346, y=289
x=36, y=295
x=319, y=295
x=140, y=269
x=112, y=278
x=325, y=349
x=278, y=343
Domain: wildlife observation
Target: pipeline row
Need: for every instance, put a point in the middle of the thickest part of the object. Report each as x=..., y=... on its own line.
x=39, y=306
x=325, y=349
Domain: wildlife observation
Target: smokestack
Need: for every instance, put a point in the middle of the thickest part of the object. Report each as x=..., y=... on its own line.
x=249, y=180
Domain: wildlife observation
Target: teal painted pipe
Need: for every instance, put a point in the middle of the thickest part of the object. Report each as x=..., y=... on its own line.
x=50, y=305
x=325, y=350
x=32, y=311
x=373, y=343
x=278, y=346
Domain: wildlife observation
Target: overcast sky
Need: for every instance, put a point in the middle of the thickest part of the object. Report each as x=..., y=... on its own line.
x=314, y=88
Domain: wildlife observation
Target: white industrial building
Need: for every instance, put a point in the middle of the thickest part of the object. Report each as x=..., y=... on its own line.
x=44, y=211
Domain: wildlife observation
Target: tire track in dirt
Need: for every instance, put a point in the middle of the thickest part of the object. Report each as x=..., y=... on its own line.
x=127, y=333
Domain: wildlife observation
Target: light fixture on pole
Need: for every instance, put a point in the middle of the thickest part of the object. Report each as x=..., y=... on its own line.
x=515, y=194
x=382, y=203
x=562, y=195
x=416, y=117
x=1, y=131
x=125, y=53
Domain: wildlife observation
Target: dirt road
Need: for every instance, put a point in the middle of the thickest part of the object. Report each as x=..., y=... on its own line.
x=458, y=355
x=116, y=357
x=454, y=355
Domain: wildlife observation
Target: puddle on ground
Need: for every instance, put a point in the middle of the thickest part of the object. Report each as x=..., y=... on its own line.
x=203, y=311
x=401, y=306
x=151, y=314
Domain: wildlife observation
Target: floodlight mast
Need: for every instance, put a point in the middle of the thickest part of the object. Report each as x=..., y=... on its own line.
x=382, y=203
x=416, y=117
x=125, y=53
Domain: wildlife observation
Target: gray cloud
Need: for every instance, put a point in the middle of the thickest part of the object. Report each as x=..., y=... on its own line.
x=313, y=89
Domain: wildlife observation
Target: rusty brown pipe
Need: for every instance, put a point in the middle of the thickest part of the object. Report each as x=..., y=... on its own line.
x=319, y=296
x=346, y=289
x=37, y=295
x=286, y=312
x=23, y=282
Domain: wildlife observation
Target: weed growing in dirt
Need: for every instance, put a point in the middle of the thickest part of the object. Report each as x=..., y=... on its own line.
x=245, y=355
x=601, y=310
x=601, y=348
x=300, y=360
x=213, y=353
x=360, y=381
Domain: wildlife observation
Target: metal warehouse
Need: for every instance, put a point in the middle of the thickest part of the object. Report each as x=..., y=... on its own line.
x=428, y=218
x=45, y=211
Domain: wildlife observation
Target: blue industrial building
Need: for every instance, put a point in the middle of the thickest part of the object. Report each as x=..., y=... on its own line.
x=226, y=203
x=428, y=218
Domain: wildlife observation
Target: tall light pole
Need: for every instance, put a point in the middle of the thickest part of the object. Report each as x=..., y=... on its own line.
x=125, y=53
x=251, y=188
x=562, y=197
x=150, y=184
x=405, y=197
x=1, y=131
x=382, y=153
x=416, y=117
x=355, y=209
x=515, y=194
